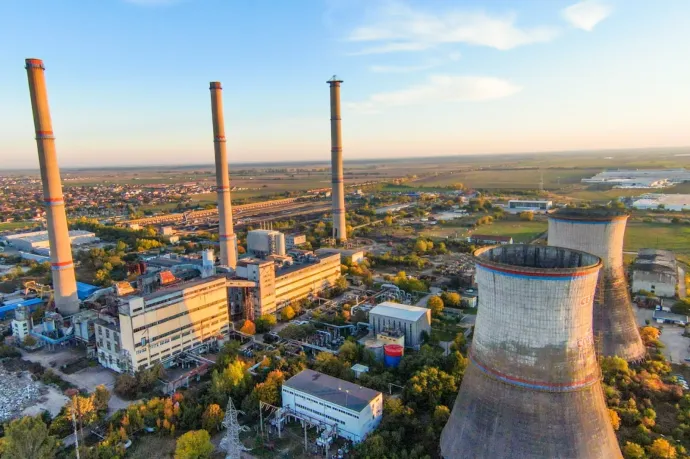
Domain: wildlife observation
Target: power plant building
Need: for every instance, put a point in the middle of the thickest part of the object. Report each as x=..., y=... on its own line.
x=29, y=242
x=262, y=243
x=353, y=409
x=61, y=264
x=155, y=327
x=601, y=232
x=532, y=388
x=656, y=271
x=411, y=320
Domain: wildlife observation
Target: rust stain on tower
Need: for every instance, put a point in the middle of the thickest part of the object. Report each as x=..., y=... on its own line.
x=601, y=232
x=226, y=236
x=338, y=187
x=62, y=266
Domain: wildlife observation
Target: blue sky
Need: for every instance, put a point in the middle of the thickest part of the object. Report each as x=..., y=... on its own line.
x=128, y=79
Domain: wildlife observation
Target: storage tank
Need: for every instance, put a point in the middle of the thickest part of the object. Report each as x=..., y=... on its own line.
x=376, y=347
x=601, y=232
x=532, y=388
x=392, y=355
x=280, y=244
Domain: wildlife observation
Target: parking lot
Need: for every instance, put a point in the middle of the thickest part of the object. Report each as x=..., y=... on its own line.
x=676, y=349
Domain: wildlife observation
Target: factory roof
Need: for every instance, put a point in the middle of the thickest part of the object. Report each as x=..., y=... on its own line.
x=84, y=290
x=12, y=306
x=332, y=390
x=658, y=261
x=38, y=236
x=663, y=315
x=399, y=311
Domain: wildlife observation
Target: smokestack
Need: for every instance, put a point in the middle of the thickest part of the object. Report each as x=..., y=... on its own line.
x=338, y=188
x=226, y=236
x=532, y=387
x=601, y=232
x=62, y=267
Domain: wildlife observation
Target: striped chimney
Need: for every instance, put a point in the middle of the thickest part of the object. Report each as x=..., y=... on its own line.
x=64, y=282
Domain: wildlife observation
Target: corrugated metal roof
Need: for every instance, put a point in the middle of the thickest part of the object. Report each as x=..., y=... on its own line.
x=399, y=311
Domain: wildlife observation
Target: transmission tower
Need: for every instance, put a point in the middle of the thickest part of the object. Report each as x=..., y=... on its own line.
x=231, y=442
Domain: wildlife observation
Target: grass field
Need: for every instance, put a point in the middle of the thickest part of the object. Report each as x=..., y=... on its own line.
x=658, y=236
x=520, y=231
x=9, y=226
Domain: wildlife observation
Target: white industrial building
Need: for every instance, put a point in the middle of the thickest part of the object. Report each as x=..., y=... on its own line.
x=640, y=178
x=294, y=240
x=354, y=410
x=672, y=202
x=29, y=242
x=655, y=271
x=411, y=320
x=354, y=256
x=262, y=243
x=518, y=205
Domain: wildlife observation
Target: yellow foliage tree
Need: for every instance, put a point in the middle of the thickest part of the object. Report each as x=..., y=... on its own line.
x=248, y=327
x=287, y=313
x=649, y=335
x=662, y=449
x=615, y=419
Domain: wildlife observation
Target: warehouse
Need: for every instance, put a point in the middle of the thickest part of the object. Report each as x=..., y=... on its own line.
x=29, y=242
x=655, y=271
x=517, y=205
x=653, y=201
x=355, y=410
x=489, y=239
x=411, y=320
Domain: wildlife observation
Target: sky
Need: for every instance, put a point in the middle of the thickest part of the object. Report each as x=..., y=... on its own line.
x=128, y=79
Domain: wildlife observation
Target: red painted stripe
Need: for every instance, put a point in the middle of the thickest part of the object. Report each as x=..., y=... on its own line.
x=53, y=199
x=61, y=263
x=587, y=272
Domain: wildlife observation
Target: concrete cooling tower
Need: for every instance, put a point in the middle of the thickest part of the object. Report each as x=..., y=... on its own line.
x=601, y=232
x=532, y=388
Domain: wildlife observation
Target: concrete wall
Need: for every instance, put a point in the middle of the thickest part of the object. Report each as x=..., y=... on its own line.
x=660, y=284
x=532, y=388
x=615, y=327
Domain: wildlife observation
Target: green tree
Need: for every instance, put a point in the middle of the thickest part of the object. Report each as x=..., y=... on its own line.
x=435, y=303
x=265, y=323
x=633, y=451
x=212, y=418
x=328, y=363
x=195, y=444
x=430, y=387
x=269, y=390
x=287, y=313
x=233, y=380
x=28, y=437
x=527, y=216
x=349, y=352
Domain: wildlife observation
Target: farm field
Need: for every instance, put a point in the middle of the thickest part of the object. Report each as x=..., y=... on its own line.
x=520, y=231
x=658, y=236
x=11, y=226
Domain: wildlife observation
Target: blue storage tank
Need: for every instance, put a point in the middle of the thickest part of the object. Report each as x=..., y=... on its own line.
x=392, y=355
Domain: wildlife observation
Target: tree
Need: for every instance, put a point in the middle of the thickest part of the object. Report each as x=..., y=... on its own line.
x=29, y=341
x=633, y=451
x=265, y=323
x=232, y=380
x=681, y=307
x=430, y=387
x=328, y=363
x=451, y=299
x=349, y=352
x=101, y=397
x=248, y=327
x=340, y=285
x=28, y=438
x=212, y=418
x=420, y=246
x=195, y=444
x=441, y=415
x=269, y=390
x=615, y=419
x=435, y=303
x=527, y=216
x=287, y=313
x=649, y=335
x=662, y=449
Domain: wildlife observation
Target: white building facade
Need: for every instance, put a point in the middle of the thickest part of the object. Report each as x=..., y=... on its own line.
x=411, y=320
x=354, y=410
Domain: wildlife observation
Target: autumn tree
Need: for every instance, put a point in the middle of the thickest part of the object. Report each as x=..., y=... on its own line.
x=28, y=437
x=101, y=397
x=615, y=419
x=212, y=418
x=195, y=444
x=435, y=303
x=661, y=449
x=269, y=390
x=451, y=299
x=527, y=216
x=265, y=322
x=649, y=335
x=232, y=380
x=430, y=387
x=287, y=313
x=633, y=451
x=248, y=327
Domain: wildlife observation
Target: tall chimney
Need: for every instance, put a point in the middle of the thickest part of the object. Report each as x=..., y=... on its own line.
x=532, y=388
x=62, y=267
x=338, y=189
x=601, y=232
x=226, y=236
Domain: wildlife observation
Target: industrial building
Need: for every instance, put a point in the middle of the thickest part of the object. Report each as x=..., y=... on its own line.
x=532, y=388
x=600, y=231
x=664, y=317
x=29, y=242
x=653, y=201
x=411, y=320
x=262, y=243
x=518, y=205
x=294, y=240
x=489, y=239
x=655, y=271
x=354, y=410
x=280, y=284
x=351, y=255
x=61, y=264
x=640, y=178
x=156, y=326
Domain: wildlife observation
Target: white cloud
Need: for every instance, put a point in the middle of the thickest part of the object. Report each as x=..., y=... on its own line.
x=439, y=88
x=587, y=14
x=397, y=27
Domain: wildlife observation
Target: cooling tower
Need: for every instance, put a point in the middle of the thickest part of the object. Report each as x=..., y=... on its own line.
x=532, y=388
x=226, y=235
x=62, y=267
x=601, y=232
x=338, y=187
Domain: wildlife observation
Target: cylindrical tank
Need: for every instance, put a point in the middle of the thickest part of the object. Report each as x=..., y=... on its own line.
x=532, y=387
x=280, y=244
x=601, y=232
x=392, y=355
x=376, y=347
x=49, y=324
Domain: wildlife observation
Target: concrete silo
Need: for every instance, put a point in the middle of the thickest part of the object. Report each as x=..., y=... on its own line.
x=532, y=387
x=601, y=232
